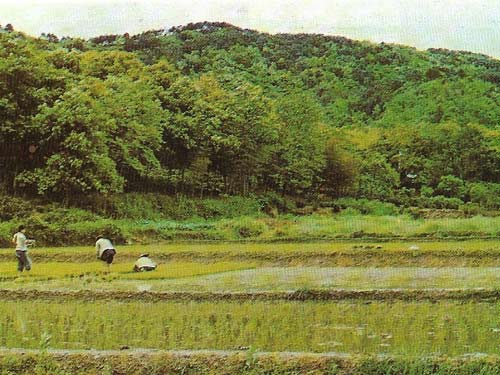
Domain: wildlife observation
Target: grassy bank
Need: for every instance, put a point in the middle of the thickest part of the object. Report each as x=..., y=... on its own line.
x=80, y=231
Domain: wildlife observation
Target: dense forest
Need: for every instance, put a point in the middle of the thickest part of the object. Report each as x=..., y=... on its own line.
x=210, y=109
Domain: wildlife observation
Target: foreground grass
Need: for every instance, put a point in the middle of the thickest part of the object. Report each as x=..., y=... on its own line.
x=413, y=328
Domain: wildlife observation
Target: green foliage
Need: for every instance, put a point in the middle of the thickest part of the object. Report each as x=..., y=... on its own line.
x=271, y=201
x=423, y=154
x=228, y=207
x=462, y=101
x=210, y=109
x=299, y=158
x=56, y=214
x=248, y=227
x=74, y=138
x=440, y=201
x=342, y=168
x=69, y=227
x=426, y=191
x=378, y=179
x=471, y=209
x=7, y=230
x=157, y=206
x=451, y=187
x=14, y=208
x=367, y=207
x=485, y=194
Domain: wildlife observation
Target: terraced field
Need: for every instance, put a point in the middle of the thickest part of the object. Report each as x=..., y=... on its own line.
x=343, y=301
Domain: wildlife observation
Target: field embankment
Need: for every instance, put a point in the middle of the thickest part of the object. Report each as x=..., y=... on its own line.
x=352, y=295
x=69, y=229
x=142, y=362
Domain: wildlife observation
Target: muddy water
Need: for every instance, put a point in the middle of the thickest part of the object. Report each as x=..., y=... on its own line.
x=399, y=328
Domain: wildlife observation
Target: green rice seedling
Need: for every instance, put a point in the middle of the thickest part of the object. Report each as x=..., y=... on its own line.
x=43, y=272
x=410, y=329
x=332, y=253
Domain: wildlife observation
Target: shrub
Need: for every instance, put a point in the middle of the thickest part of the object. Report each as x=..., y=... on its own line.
x=378, y=179
x=248, y=227
x=368, y=207
x=470, y=209
x=62, y=233
x=439, y=201
x=13, y=207
x=85, y=233
x=159, y=206
x=349, y=211
x=451, y=187
x=426, y=191
x=7, y=229
x=228, y=207
x=67, y=215
x=485, y=194
x=272, y=200
x=403, y=197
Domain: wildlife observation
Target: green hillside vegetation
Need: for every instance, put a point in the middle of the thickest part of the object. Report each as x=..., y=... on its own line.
x=210, y=110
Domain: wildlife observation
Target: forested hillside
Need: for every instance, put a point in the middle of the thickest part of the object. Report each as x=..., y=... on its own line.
x=209, y=109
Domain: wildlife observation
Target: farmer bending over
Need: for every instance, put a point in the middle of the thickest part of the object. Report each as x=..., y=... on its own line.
x=105, y=250
x=19, y=239
x=144, y=263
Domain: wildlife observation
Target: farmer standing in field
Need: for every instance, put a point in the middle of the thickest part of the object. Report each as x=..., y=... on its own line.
x=105, y=250
x=22, y=243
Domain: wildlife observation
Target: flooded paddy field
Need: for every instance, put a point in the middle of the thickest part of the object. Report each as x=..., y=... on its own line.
x=415, y=328
x=349, y=304
x=471, y=253
x=242, y=277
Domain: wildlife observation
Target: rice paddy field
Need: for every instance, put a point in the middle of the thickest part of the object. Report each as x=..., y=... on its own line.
x=323, y=307
x=420, y=328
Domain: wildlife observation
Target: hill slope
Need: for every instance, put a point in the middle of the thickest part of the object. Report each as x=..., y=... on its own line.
x=213, y=108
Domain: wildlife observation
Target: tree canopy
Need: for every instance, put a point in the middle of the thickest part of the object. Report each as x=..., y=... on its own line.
x=210, y=108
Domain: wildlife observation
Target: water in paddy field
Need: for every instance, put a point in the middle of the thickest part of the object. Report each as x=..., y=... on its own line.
x=413, y=328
